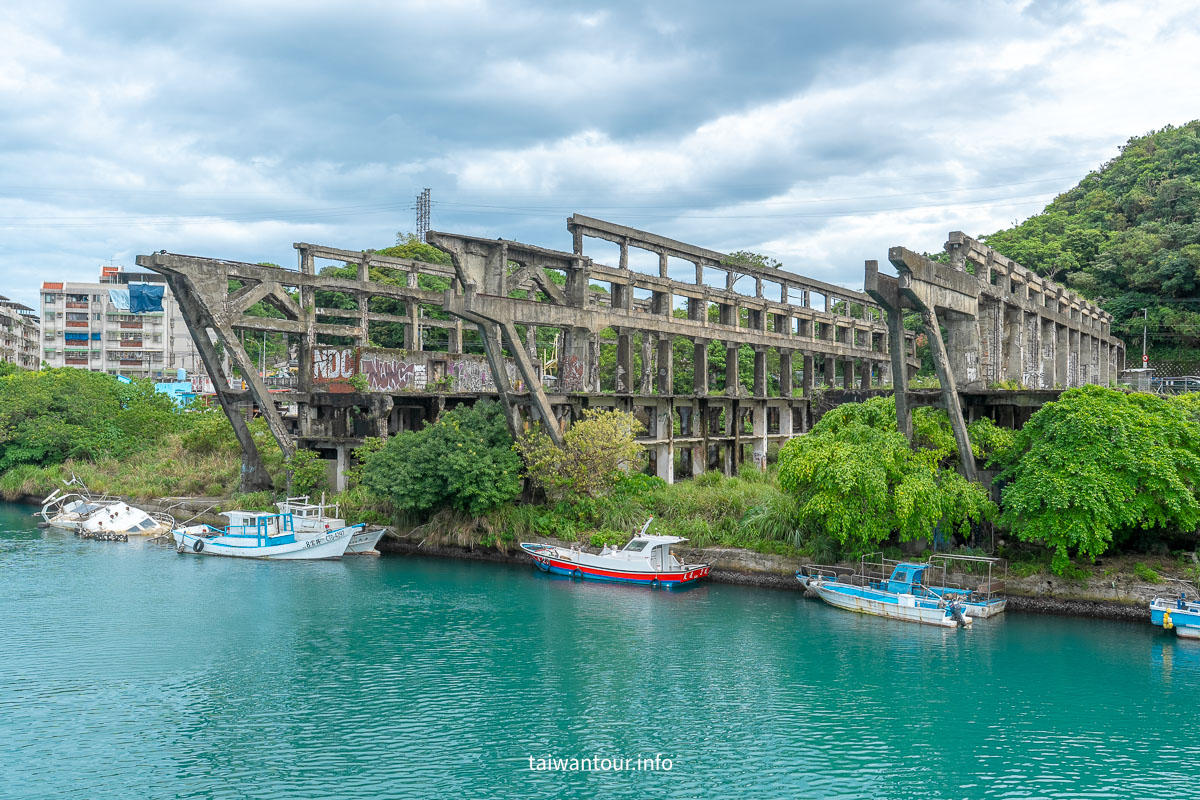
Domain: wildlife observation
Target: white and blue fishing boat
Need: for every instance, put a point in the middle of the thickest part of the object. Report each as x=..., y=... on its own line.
x=1177, y=613
x=261, y=534
x=901, y=596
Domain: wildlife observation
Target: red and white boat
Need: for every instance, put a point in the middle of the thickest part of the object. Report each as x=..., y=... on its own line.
x=646, y=559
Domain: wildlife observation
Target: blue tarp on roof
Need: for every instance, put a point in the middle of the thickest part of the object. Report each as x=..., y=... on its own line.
x=119, y=298
x=145, y=298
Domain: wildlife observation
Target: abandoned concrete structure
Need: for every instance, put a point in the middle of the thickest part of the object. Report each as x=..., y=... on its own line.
x=500, y=294
x=504, y=292
x=1003, y=325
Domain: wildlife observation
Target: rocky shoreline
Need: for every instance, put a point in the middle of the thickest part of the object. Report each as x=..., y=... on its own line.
x=1118, y=598
x=1039, y=594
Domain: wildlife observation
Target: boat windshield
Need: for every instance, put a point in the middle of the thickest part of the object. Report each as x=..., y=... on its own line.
x=635, y=546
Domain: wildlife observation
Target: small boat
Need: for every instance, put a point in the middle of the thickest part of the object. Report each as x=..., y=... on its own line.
x=901, y=596
x=261, y=534
x=1177, y=613
x=307, y=517
x=101, y=517
x=646, y=559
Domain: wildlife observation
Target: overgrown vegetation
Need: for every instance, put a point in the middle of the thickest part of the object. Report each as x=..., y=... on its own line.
x=1128, y=236
x=596, y=452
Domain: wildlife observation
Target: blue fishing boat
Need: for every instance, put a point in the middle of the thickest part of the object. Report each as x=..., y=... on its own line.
x=1177, y=613
x=901, y=596
x=260, y=534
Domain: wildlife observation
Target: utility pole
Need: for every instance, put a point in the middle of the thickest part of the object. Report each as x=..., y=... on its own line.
x=1145, y=319
x=422, y=214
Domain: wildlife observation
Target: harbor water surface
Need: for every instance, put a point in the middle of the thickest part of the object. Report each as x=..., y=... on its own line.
x=131, y=671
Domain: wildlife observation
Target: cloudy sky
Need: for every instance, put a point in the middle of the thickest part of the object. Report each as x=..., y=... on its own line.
x=819, y=134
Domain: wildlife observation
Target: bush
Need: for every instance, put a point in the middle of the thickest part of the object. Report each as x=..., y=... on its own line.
x=1146, y=573
x=857, y=482
x=597, y=451
x=464, y=461
x=1097, y=465
x=308, y=473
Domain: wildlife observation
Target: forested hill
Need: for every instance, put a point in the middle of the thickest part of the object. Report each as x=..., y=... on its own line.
x=1128, y=236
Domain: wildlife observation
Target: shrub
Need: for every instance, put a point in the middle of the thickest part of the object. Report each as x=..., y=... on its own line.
x=464, y=461
x=1146, y=573
x=597, y=451
x=1098, y=464
x=308, y=473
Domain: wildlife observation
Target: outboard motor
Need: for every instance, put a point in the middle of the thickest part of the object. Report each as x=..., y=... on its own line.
x=954, y=606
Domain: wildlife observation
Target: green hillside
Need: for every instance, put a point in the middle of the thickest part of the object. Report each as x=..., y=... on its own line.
x=1128, y=236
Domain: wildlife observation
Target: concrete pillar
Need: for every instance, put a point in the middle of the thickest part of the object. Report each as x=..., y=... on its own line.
x=666, y=365
x=647, y=380
x=787, y=420
x=1014, y=345
x=700, y=367
x=760, y=434
x=662, y=265
x=1062, y=348
x=865, y=369
x=1049, y=354
x=1073, y=359
x=809, y=377
x=732, y=384
x=624, y=377
x=665, y=461
x=785, y=373
x=339, y=474
x=575, y=361
x=760, y=372
x=830, y=370
x=455, y=337
x=962, y=347
x=848, y=374
x=1085, y=360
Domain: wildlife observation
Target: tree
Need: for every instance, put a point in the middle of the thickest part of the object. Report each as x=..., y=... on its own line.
x=596, y=452
x=1095, y=466
x=857, y=480
x=464, y=461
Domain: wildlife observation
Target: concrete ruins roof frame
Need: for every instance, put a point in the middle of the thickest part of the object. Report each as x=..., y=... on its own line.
x=1004, y=324
x=485, y=275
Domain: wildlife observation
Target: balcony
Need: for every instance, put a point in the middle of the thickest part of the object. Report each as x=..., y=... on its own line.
x=77, y=323
x=77, y=305
x=132, y=326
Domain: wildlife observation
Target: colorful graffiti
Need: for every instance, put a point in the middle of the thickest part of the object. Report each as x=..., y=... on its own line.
x=333, y=363
x=392, y=374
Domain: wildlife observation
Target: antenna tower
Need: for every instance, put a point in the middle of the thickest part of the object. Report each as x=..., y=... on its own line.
x=422, y=214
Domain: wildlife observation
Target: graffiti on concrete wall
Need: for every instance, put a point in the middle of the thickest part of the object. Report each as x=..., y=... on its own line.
x=333, y=363
x=474, y=375
x=572, y=374
x=386, y=373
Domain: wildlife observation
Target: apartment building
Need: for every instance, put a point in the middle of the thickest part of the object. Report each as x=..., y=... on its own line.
x=20, y=334
x=90, y=326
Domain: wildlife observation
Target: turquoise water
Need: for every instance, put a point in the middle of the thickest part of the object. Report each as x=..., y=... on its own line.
x=131, y=671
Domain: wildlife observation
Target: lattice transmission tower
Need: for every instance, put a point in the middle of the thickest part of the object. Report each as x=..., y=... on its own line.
x=422, y=214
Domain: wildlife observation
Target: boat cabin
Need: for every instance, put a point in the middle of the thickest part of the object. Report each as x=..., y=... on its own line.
x=905, y=577
x=260, y=525
x=307, y=516
x=653, y=550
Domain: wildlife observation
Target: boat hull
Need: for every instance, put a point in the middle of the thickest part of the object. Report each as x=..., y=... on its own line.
x=548, y=562
x=363, y=543
x=330, y=545
x=914, y=612
x=1185, y=621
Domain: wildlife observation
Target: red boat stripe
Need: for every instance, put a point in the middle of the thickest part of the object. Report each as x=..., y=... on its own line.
x=643, y=576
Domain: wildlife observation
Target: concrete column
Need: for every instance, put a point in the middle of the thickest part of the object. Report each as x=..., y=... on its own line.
x=1073, y=359
x=1105, y=363
x=830, y=370
x=785, y=373
x=624, y=378
x=732, y=384
x=662, y=265
x=647, y=380
x=700, y=367
x=1086, y=368
x=666, y=364
x=865, y=377
x=339, y=474
x=760, y=372
x=1014, y=345
x=786, y=419
x=760, y=434
x=665, y=461
x=848, y=374
x=1049, y=357
x=1062, y=348
x=575, y=361
x=809, y=377
x=962, y=347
